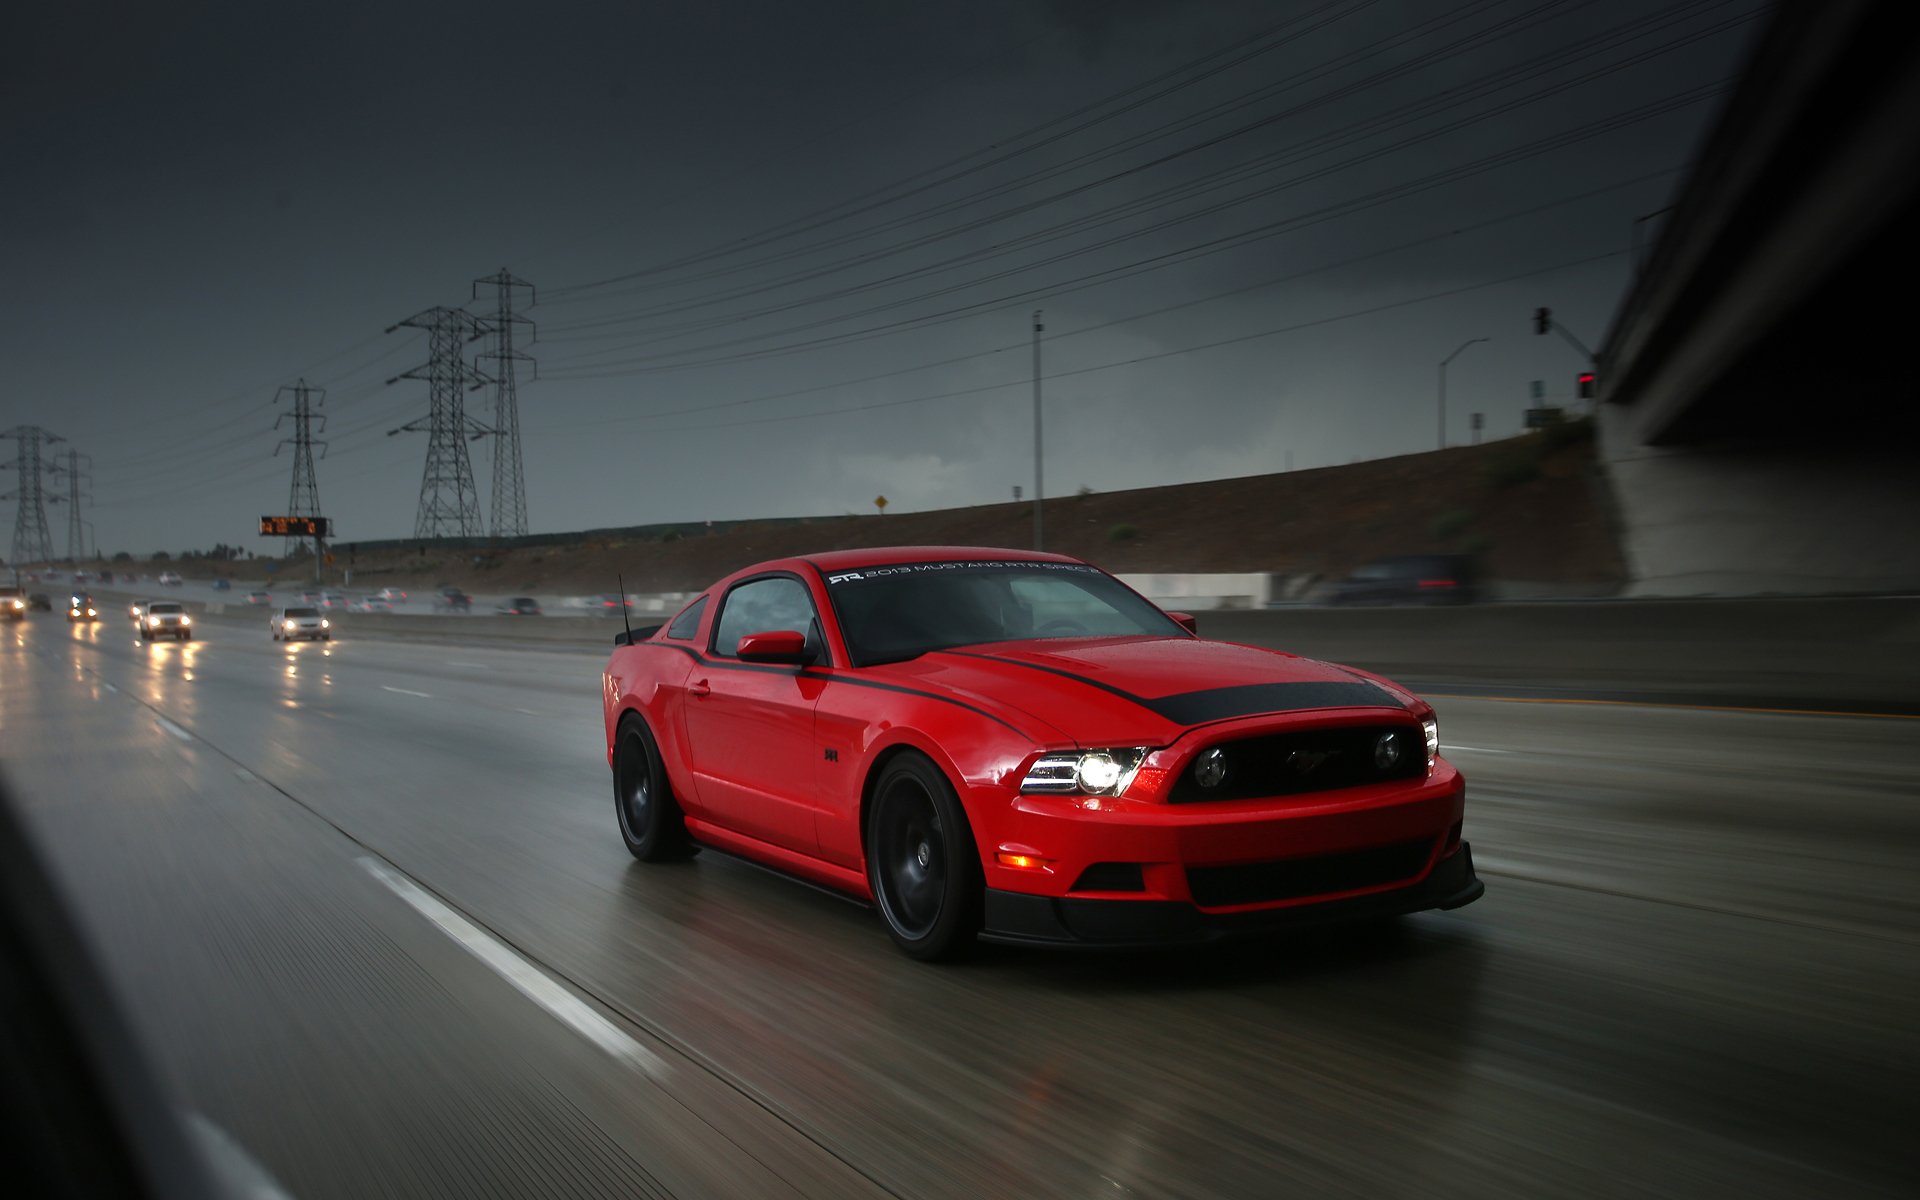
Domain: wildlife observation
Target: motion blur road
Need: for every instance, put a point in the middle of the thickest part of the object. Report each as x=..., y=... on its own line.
x=1693, y=973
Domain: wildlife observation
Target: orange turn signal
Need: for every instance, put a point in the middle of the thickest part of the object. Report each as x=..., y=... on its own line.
x=1022, y=862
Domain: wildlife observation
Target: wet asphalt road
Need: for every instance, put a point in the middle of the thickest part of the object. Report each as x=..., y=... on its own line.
x=1693, y=973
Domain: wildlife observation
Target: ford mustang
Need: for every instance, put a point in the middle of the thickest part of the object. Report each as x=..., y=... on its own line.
x=1017, y=747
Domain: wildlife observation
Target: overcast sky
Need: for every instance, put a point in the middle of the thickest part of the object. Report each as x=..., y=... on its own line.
x=786, y=253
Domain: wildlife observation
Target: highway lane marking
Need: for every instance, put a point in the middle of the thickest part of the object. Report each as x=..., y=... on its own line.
x=482, y=666
x=527, y=711
x=561, y=1004
x=110, y=687
x=405, y=692
x=1476, y=750
x=167, y=726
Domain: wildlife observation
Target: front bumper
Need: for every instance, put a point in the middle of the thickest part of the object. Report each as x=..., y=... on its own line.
x=1070, y=921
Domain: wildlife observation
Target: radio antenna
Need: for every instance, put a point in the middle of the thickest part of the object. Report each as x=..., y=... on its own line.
x=618, y=578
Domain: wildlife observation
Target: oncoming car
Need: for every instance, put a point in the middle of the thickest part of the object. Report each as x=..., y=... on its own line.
x=80, y=607
x=1018, y=747
x=294, y=624
x=13, y=603
x=166, y=618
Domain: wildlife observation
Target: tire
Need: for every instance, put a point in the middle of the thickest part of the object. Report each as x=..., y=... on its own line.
x=921, y=861
x=643, y=803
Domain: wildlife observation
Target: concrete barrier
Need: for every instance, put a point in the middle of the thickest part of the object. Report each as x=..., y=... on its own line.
x=1833, y=653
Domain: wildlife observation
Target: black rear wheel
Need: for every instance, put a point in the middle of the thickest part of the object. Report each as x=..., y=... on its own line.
x=921, y=861
x=650, y=821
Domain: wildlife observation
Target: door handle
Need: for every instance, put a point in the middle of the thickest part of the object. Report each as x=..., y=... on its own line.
x=698, y=688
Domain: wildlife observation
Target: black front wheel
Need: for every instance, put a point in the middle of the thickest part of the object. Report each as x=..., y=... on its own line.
x=650, y=821
x=921, y=861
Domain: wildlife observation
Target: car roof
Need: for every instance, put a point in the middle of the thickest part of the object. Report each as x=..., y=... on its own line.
x=834, y=560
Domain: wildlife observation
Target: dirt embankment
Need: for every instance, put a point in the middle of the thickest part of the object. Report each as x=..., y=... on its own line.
x=1531, y=507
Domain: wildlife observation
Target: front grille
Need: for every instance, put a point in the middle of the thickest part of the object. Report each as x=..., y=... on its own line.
x=1293, y=878
x=1308, y=760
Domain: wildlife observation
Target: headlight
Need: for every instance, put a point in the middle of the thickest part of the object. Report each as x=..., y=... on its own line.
x=1431, y=727
x=324, y=624
x=186, y=620
x=92, y=613
x=288, y=624
x=1084, y=772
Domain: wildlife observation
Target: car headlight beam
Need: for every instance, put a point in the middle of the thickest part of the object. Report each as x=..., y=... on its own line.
x=1104, y=772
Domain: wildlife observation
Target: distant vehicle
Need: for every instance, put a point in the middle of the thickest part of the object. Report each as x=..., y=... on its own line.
x=332, y=600
x=294, y=624
x=222, y=585
x=50, y=576
x=611, y=604
x=83, y=577
x=129, y=577
x=81, y=608
x=519, y=606
x=370, y=604
x=259, y=597
x=309, y=597
x=391, y=595
x=170, y=579
x=13, y=602
x=1410, y=579
x=166, y=618
x=39, y=602
x=138, y=610
x=452, y=600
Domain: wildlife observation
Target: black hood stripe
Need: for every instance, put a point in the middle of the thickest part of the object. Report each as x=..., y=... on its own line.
x=1225, y=703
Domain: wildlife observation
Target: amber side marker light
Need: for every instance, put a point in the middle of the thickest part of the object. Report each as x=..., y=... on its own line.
x=1022, y=862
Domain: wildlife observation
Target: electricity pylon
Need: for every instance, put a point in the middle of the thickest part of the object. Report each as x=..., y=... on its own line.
x=449, y=502
x=303, y=499
x=509, y=480
x=32, y=543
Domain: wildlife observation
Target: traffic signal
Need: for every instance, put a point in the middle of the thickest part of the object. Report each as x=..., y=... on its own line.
x=1586, y=385
x=1542, y=320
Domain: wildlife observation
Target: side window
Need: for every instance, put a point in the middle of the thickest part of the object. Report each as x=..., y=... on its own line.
x=762, y=606
x=688, y=622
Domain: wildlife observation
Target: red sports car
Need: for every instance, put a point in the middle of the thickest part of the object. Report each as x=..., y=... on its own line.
x=1017, y=746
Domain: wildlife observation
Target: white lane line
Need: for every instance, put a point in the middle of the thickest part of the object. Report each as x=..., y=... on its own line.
x=169, y=727
x=527, y=711
x=405, y=692
x=563, y=1005
x=482, y=666
x=1476, y=750
x=110, y=687
x=244, y=775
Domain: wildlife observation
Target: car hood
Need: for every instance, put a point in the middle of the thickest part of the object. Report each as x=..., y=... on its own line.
x=1147, y=690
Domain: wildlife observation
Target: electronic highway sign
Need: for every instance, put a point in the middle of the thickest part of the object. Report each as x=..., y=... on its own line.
x=296, y=527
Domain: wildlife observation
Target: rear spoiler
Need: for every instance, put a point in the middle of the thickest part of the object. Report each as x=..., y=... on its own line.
x=628, y=637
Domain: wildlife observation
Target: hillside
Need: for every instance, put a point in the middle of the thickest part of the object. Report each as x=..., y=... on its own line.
x=1532, y=507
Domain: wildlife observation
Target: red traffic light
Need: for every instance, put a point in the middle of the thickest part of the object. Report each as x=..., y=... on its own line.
x=1586, y=385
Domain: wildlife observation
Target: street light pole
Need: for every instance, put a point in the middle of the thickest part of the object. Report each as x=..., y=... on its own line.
x=1443, y=385
x=1039, y=488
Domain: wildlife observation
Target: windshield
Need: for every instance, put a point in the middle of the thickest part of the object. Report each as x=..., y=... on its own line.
x=903, y=610
x=164, y=608
x=303, y=612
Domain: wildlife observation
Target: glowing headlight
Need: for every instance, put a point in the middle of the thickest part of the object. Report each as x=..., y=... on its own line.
x=186, y=620
x=289, y=623
x=1084, y=772
x=325, y=624
x=1432, y=729
x=92, y=613
x=76, y=612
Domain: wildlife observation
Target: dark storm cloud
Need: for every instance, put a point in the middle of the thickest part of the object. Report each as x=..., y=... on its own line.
x=209, y=200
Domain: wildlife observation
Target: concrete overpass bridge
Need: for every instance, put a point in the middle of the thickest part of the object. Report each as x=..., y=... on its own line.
x=1758, y=385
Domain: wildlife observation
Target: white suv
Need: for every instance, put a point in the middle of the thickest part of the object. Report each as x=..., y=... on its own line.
x=169, y=579
x=292, y=624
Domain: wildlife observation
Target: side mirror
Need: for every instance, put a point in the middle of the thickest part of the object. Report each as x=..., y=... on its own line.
x=776, y=646
x=1187, y=622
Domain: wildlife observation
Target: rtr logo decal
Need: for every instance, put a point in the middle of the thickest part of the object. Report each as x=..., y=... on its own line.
x=845, y=577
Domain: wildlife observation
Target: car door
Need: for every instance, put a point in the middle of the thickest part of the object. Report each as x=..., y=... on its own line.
x=750, y=735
